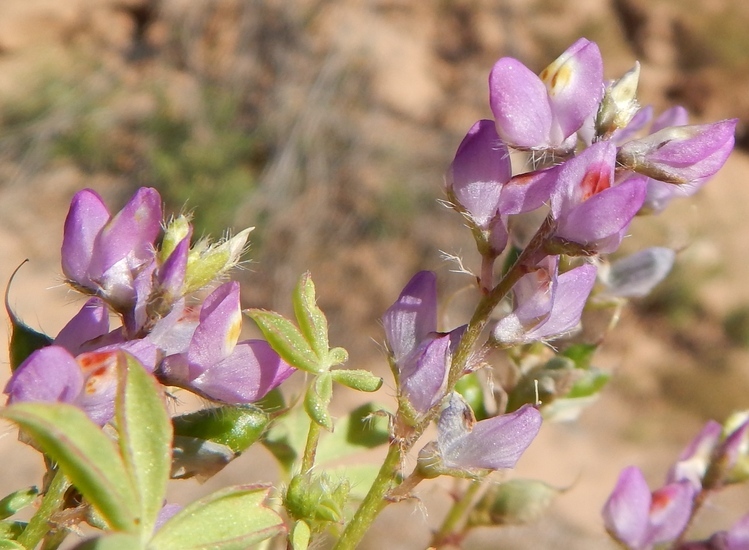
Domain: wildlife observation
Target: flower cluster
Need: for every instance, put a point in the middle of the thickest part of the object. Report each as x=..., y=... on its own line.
x=146, y=272
x=717, y=457
x=591, y=172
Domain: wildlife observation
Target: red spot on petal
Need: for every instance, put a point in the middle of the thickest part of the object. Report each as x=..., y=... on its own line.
x=96, y=363
x=595, y=181
x=661, y=499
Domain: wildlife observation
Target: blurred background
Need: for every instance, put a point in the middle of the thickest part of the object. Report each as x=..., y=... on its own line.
x=328, y=125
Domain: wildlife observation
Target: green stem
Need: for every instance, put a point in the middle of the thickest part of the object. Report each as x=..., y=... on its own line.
x=310, y=449
x=456, y=515
x=374, y=502
x=52, y=502
x=527, y=259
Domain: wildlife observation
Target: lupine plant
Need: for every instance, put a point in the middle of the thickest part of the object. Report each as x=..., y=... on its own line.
x=97, y=402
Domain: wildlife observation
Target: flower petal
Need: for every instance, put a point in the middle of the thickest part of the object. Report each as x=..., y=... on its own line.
x=670, y=510
x=91, y=322
x=493, y=444
x=480, y=168
x=247, y=375
x=520, y=104
x=422, y=377
x=131, y=232
x=626, y=512
x=49, y=374
x=575, y=84
x=86, y=217
x=219, y=328
x=413, y=315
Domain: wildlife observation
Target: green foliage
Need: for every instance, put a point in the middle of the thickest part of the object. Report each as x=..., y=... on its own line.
x=24, y=340
x=17, y=500
x=236, y=427
x=231, y=518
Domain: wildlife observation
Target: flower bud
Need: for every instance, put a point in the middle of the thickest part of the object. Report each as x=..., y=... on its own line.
x=680, y=154
x=517, y=501
x=619, y=103
x=206, y=263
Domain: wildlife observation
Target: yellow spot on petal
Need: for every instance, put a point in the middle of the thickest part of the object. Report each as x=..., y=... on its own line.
x=232, y=335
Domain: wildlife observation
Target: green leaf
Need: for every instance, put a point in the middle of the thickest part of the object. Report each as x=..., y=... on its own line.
x=232, y=518
x=234, y=426
x=145, y=437
x=472, y=390
x=311, y=319
x=581, y=354
x=17, y=501
x=88, y=457
x=362, y=429
x=10, y=545
x=590, y=384
x=357, y=379
x=24, y=340
x=317, y=401
x=286, y=340
x=11, y=530
x=287, y=436
x=337, y=356
x=300, y=536
x=115, y=541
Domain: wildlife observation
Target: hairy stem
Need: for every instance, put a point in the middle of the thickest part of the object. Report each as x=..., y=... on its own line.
x=310, y=448
x=456, y=516
x=374, y=502
x=52, y=502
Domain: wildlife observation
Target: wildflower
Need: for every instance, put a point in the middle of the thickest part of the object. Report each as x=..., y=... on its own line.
x=681, y=154
x=480, y=181
x=420, y=356
x=53, y=374
x=544, y=112
x=103, y=254
x=591, y=210
x=469, y=447
x=640, y=519
x=215, y=364
x=637, y=274
x=547, y=304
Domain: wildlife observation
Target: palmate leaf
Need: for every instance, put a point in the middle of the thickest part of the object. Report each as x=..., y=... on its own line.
x=88, y=458
x=230, y=519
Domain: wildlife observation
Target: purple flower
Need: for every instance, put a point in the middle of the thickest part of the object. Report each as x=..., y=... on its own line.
x=695, y=458
x=420, y=355
x=637, y=274
x=492, y=444
x=683, y=156
x=85, y=331
x=736, y=538
x=215, y=364
x=591, y=211
x=546, y=304
x=480, y=181
x=52, y=374
x=640, y=519
x=104, y=254
x=544, y=112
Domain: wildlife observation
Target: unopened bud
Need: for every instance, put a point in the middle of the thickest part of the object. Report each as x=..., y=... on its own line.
x=619, y=103
x=517, y=501
x=208, y=262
